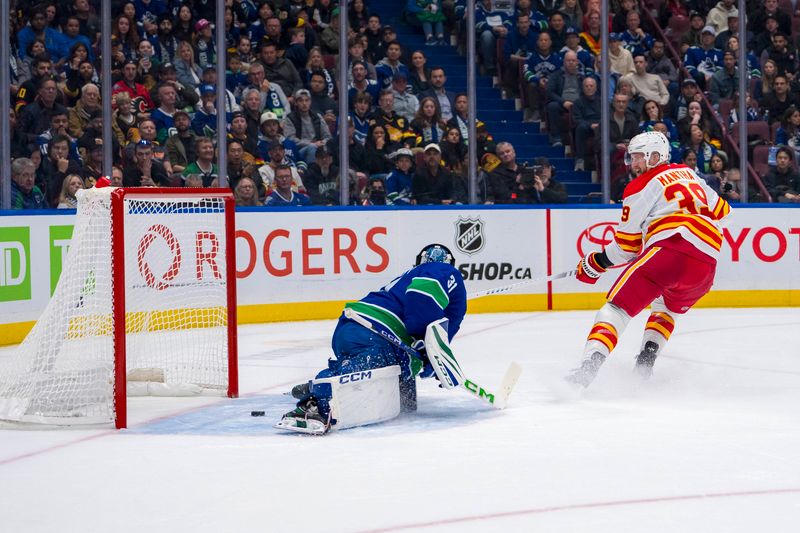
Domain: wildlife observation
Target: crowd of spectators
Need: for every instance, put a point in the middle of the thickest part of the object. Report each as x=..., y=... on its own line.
x=407, y=132
x=551, y=48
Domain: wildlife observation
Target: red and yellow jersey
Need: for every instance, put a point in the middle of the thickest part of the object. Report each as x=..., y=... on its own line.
x=665, y=201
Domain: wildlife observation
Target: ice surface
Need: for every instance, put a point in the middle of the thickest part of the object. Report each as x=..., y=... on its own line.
x=709, y=444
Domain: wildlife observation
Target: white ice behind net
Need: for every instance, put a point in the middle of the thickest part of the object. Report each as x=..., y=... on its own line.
x=176, y=318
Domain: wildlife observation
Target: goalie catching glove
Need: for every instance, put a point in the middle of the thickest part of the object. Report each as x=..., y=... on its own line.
x=592, y=266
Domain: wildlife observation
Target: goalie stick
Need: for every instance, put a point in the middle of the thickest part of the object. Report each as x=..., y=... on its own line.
x=507, y=288
x=498, y=399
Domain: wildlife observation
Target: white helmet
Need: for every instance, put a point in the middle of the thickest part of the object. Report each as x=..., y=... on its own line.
x=648, y=143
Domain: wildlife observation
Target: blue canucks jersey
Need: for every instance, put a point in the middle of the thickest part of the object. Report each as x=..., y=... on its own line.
x=418, y=297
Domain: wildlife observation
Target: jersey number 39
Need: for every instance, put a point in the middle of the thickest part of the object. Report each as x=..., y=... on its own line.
x=691, y=198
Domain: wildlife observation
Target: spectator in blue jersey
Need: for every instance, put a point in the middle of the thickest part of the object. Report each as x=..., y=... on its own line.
x=361, y=84
x=704, y=60
x=296, y=52
x=271, y=95
x=634, y=38
x=542, y=63
x=490, y=24
x=71, y=36
x=361, y=116
x=258, y=29
x=162, y=116
x=563, y=89
x=585, y=58
x=518, y=45
x=205, y=118
x=283, y=195
x=402, y=310
x=24, y=193
x=389, y=65
x=399, y=183
x=37, y=28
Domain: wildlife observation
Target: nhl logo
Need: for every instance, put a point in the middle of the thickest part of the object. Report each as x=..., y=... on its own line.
x=469, y=235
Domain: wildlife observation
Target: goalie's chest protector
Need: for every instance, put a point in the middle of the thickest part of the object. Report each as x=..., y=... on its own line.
x=420, y=296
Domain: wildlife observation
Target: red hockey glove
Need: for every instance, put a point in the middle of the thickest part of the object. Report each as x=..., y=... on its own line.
x=589, y=269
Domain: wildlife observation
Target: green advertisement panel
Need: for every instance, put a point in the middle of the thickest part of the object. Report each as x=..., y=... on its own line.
x=60, y=237
x=15, y=264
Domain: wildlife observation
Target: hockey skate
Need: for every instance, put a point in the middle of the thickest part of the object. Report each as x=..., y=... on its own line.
x=305, y=418
x=585, y=374
x=645, y=360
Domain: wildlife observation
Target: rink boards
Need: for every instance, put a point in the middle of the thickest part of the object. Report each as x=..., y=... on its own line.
x=303, y=264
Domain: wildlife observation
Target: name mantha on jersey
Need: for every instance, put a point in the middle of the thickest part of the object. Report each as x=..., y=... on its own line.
x=470, y=238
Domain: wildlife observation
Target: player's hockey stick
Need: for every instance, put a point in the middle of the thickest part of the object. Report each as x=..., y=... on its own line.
x=507, y=288
x=497, y=399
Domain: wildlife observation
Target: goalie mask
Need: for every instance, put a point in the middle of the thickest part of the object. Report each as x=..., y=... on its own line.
x=435, y=253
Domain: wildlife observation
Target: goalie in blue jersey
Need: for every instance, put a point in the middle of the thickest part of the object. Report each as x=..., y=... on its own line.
x=371, y=378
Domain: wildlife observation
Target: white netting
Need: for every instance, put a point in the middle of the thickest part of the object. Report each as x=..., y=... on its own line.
x=176, y=312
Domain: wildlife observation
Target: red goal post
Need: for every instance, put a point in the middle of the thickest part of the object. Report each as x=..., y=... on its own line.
x=118, y=198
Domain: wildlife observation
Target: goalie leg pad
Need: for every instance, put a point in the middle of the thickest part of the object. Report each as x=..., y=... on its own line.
x=363, y=397
x=444, y=363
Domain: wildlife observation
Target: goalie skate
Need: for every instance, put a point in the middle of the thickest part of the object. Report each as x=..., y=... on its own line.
x=304, y=418
x=585, y=374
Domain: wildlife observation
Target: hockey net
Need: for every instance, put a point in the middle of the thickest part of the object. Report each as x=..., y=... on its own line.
x=145, y=305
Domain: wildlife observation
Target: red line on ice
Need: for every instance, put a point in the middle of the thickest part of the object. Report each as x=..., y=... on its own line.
x=592, y=505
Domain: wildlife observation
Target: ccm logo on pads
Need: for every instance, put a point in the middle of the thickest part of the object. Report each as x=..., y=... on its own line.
x=355, y=376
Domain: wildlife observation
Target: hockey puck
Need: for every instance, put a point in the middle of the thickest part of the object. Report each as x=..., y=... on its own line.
x=256, y=413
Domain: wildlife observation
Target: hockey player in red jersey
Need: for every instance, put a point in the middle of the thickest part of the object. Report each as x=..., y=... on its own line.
x=669, y=233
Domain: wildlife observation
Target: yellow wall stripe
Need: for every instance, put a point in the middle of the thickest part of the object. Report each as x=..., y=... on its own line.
x=285, y=312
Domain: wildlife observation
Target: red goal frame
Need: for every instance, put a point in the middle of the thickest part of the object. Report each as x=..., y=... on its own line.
x=118, y=197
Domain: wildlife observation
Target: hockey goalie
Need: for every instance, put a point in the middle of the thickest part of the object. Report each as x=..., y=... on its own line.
x=371, y=378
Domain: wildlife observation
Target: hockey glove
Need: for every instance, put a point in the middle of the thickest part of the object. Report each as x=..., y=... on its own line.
x=589, y=268
x=417, y=364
